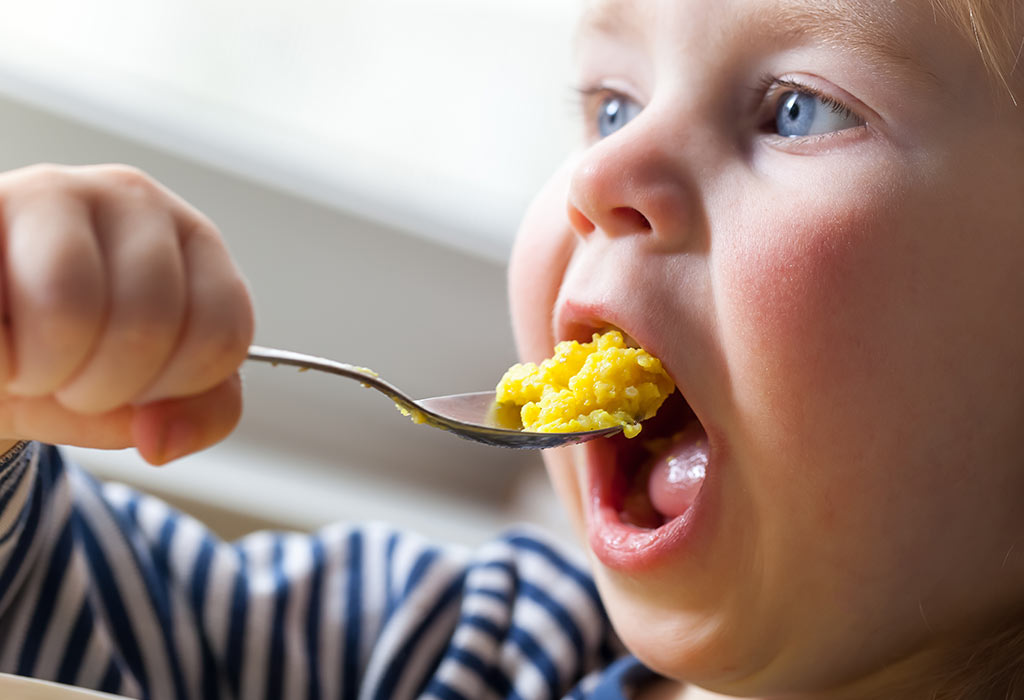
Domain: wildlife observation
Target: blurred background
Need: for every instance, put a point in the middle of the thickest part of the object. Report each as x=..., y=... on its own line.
x=367, y=162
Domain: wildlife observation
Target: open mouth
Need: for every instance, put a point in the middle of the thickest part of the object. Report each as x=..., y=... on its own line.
x=646, y=492
x=658, y=475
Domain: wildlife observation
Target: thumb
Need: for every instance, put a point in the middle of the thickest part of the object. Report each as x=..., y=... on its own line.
x=166, y=430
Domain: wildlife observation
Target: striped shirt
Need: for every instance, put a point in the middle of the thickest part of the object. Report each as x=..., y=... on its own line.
x=106, y=588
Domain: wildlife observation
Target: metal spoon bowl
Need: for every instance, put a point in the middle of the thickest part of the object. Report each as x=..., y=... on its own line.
x=474, y=416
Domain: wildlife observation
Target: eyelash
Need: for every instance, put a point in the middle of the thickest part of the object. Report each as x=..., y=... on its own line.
x=586, y=98
x=770, y=88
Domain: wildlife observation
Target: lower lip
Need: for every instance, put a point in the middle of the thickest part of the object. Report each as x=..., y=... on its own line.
x=627, y=548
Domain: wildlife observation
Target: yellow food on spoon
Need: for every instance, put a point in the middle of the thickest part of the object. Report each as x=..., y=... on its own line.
x=587, y=386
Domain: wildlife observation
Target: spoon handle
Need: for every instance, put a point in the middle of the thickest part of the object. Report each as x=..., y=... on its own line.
x=366, y=377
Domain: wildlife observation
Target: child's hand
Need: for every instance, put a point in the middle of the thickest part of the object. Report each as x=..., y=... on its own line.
x=124, y=317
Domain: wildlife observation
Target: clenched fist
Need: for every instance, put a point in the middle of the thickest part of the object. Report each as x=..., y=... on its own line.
x=124, y=317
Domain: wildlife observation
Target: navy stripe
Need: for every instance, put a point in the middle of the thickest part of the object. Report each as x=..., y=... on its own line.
x=483, y=624
x=350, y=667
x=28, y=523
x=236, y=625
x=439, y=689
x=493, y=676
x=389, y=576
x=393, y=673
x=15, y=475
x=156, y=583
x=502, y=565
x=565, y=567
x=198, y=586
x=540, y=659
x=55, y=571
x=419, y=570
x=565, y=620
x=500, y=596
x=111, y=682
x=75, y=649
x=313, y=619
x=110, y=595
x=275, y=665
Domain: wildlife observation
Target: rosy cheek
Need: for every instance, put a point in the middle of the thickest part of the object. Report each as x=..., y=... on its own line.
x=803, y=295
x=543, y=247
x=807, y=326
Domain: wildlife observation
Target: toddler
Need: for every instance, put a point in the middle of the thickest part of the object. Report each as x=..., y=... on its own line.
x=810, y=212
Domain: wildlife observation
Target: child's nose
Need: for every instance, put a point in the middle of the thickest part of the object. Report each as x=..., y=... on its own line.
x=631, y=185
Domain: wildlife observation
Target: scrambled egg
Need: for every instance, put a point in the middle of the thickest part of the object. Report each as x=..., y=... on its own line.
x=587, y=386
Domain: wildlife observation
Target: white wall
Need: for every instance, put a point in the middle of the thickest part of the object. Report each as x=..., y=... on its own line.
x=400, y=269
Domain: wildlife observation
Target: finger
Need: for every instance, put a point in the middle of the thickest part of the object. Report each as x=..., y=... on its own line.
x=169, y=429
x=43, y=418
x=218, y=323
x=146, y=306
x=55, y=289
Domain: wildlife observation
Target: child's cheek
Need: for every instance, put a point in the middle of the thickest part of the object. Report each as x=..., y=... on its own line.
x=808, y=334
x=543, y=247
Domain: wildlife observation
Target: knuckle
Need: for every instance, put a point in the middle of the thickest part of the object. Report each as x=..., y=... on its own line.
x=221, y=351
x=201, y=229
x=40, y=179
x=130, y=183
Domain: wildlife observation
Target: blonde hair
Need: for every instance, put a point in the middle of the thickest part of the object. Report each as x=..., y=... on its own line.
x=995, y=28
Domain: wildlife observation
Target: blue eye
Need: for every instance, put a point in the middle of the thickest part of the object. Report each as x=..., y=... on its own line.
x=614, y=112
x=806, y=114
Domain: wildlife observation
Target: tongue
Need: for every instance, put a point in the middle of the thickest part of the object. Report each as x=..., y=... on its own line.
x=678, y=473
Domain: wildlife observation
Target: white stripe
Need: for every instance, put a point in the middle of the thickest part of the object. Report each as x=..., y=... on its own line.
x=374, y=588
x=130, y=688
x=180, y=559
x=145, y=624
x=549, y=635
x=69, y=602
x=297, y=565
x=219, y=590
x=258, y=548
x=436, y=638
x=24, y=603
x=407, y=552
x=454, y=674
x=527, y=680
x=567, y=592
x=420, y=602
x=336, y=554
x=489, y=608
x=96, y=657
x=491, y=578
x=55, y=511
x=9, y=520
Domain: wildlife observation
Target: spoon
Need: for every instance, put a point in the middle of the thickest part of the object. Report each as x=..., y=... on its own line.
x=475, y=416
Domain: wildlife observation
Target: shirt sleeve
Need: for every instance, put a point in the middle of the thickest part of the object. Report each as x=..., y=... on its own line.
x=106, y=588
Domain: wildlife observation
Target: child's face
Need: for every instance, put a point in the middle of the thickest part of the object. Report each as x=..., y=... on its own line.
x=841, y=308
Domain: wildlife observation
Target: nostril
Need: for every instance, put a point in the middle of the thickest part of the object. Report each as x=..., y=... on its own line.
x=579, y=221
x=629, y=219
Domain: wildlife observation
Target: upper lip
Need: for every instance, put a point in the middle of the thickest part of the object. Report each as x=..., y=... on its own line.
x=578, y=320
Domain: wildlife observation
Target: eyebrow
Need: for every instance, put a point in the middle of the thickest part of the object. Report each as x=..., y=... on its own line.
x=855, y=24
